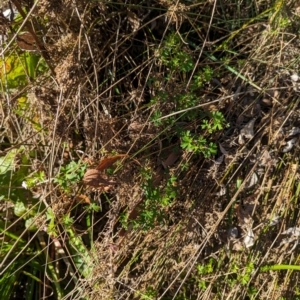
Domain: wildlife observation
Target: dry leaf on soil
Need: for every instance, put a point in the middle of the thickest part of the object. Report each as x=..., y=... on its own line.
x=292, y=231
x=171, y=159
x=247, y=132
x=233, y=233
x=294, y=131
x=26, y=41
x=94, y=178
x=274, y=220
x=252, y=180
x=219, y=160
x=83, y=199
x=222, y=149
x=107, y=162
x=249, y=238
x=289, y=145
x=295, y=77
x=222, y=191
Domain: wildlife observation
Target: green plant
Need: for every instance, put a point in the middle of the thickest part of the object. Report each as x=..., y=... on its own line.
x=245, y=277
x=201, y=77
x=80, y=255
x=155, y=118
x=208, y=268
x=186, y=100
x=34, y=179
x=279, y=267
x=169, y=192
x=124, y=219
x=12, y=176
x=204, y=269
x=17, y=70
x=149, y=294
x=173, y=56
x=251, y=291
x=216, y=122
x=150, y=212
x=70, y=175
x=25, y=110
x=184, y=166
x=156, y=201
x=197, y=144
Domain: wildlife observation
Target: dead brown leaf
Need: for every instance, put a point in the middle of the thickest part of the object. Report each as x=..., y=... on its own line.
x=94, y=178
x=83, y=199
x=107, y=162
x=171, y=159
x=26, y=41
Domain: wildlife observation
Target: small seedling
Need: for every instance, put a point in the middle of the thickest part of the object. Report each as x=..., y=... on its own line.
x=69, y=175
x=197, y=144
x=156, y=201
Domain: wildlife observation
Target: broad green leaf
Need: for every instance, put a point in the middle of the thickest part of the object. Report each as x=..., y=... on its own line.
x=19, y=209
x=30, y=225
x=7, y=161
x=15, y=69
x=80, y=254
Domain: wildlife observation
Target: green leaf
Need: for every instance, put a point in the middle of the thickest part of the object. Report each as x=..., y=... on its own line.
x=15, y=69
x=7, y=161
x=20, y=209
x=30, y=225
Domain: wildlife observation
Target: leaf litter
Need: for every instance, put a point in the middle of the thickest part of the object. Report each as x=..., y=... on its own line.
x=102, y=118
x=96, y=178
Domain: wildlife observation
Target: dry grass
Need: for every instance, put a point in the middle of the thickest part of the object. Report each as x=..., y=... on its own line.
x=114, y=83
